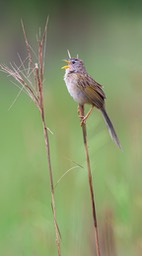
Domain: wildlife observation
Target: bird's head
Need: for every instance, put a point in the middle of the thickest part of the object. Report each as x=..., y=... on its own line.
x=74, y=65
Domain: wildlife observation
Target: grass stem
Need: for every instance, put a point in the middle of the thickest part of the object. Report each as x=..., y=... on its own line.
x=35, y=92
x=84, y=132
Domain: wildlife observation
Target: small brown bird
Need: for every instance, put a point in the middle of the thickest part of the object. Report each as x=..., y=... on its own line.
x=85, y=90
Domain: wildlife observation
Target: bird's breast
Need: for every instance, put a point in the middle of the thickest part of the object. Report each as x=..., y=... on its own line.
x=78, y=95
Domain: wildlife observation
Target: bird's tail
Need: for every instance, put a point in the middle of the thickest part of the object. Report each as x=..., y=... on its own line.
x=110, y=128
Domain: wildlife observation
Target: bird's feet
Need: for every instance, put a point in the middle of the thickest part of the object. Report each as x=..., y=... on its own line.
x=83, y=120
x=82, y=117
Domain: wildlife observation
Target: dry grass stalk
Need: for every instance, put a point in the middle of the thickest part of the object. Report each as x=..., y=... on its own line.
x=90, y=182
x=31, y=81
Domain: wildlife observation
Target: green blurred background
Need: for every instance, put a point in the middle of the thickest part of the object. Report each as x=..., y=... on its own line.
x=107, y=35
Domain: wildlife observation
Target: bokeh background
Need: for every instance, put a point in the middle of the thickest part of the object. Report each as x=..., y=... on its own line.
x=107, y=35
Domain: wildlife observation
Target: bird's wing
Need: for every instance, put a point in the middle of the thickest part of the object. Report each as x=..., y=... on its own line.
x=92, y=90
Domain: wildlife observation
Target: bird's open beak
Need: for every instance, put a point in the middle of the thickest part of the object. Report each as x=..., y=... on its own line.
x=66, y=66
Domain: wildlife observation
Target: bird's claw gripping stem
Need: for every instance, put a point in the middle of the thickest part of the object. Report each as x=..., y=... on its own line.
x=83, y=118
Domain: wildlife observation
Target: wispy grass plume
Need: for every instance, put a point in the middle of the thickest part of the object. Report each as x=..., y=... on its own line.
x=30, y=79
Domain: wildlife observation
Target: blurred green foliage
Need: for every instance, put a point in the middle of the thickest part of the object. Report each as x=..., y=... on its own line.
x=107, y=35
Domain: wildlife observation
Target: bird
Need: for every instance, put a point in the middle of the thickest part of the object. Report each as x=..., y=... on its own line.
x=85, y=90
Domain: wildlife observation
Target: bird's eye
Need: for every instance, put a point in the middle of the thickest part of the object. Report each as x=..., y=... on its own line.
x=73, y=61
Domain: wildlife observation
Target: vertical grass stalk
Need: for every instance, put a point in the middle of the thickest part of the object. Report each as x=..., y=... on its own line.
x=84, y=132
x=51, y=182
x=30, y=80
x=39, y=76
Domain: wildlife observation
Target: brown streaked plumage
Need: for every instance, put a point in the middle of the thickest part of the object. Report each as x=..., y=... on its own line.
x=85, y=90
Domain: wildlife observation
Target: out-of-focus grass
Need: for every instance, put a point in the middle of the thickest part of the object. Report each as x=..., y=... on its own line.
x=25, y=218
